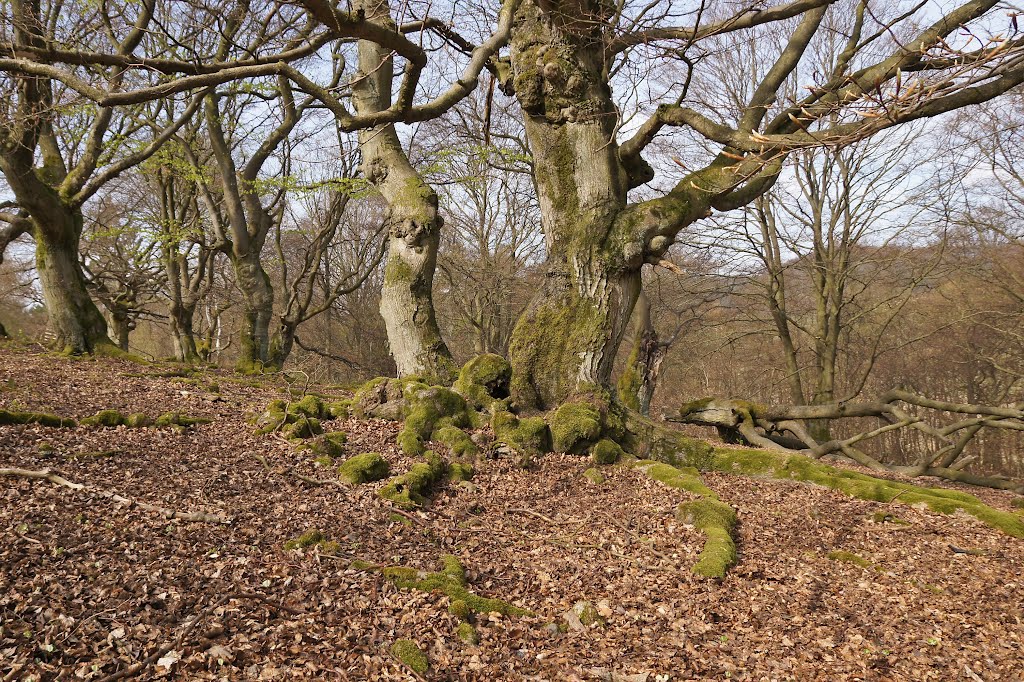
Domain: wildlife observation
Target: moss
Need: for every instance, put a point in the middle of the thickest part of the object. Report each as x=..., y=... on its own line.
x=411, y=489
x=364, y=468
x=484, y=380
x=693, y=406
x=323, y=461
x=684, y=478
x=606, y=452
x=314, y=538
x=885, y=517
x=467, y=633
x=594, y=476
x=849, y=558
x=574, y=427
x=716, y=520
x=411, y=443
x=457, y=440
x=138, y=420
x=460, y=609
x=588, y=614
x=330, y=444
x=341, y=409
x=179, y=419
x=631, y=381
x=406, y=651
x=1017, y=503
x=309, y=406
x=108, y=418
x=862, y=486
x=528, y=436
x=451, y=581
x=460, y=471
x=302, y=428
x=8, y=417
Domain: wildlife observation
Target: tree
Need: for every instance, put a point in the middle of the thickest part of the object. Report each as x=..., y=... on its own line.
x=55, y=158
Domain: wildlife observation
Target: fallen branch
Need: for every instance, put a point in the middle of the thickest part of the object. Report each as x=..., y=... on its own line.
x=47, y=475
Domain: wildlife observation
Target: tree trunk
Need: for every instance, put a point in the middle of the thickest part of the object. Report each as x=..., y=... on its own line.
x=258, y=309
x=567, y=338
x=76, y=324
x=182, y=333
x=119, y=328
x=640, y=375
x=406, y=301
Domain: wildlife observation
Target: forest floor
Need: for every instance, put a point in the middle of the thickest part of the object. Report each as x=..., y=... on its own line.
x=89, y=587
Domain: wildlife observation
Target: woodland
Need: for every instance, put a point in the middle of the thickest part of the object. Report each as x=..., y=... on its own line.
x=624, y=340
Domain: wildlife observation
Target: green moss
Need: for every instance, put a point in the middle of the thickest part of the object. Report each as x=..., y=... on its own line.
x=1017, y=503
x=179, y=419
x=138, y=420
x=693, y=406
x=460, y=471
x=459, y=609
x=484, y=380
x=684, y=478
x=451, y=581
x=331, y=444
x=588, y=614
x=8, y=417
x=574, y=427
x=364, y=468
x=302, y=427
x=411, y=489
x=606, y=452
x=885, y=517
x=314, y=538
x=467, y=633
x=716, y=520
x=862, y=486
x=406, y=651
x=340, y=409
x=631, y=381
x=309, y=406
x=849, y=558
x=594, y=476
x=528, y=436
x=108, y=418
x=457, y=440
x=411, y=443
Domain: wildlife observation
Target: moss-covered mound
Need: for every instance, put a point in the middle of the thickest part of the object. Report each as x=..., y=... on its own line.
x=138, y=420
x=575, y=427
x=716, y=520
x=606, y=451
x=451, y=580
x=178, y=419
x=527, y=436
x=412, y=489
x=406, y=651
x=299, y=419
x=484, y=380
x=862, y=486
x=330, y=444
x=364, y=468
x=8, y=417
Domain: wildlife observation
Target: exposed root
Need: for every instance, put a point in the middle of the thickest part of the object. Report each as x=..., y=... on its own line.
x=47, y=475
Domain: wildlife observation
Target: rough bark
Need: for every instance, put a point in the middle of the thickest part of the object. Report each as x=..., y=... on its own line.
x=414, y=224
x=640, y=375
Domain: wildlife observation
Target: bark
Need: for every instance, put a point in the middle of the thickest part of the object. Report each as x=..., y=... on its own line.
x=640, y=376
x=183, y=334
x=120, y=327
x=258, y=311
x=75, y=323
x=414, y=224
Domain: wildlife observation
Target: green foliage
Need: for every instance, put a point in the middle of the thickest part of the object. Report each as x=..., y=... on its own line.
x=364, y=468
x=406, y=651
x=8, y=417
x=574, y=427
x=411, y=489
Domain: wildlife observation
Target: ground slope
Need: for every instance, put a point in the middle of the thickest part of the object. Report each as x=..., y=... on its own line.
x=89, y=587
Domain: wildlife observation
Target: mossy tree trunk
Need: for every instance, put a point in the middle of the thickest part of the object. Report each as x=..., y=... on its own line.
x=75, y=322
x=407, y=304
x=258, y=311
x=640, y=375
x=597, y=243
